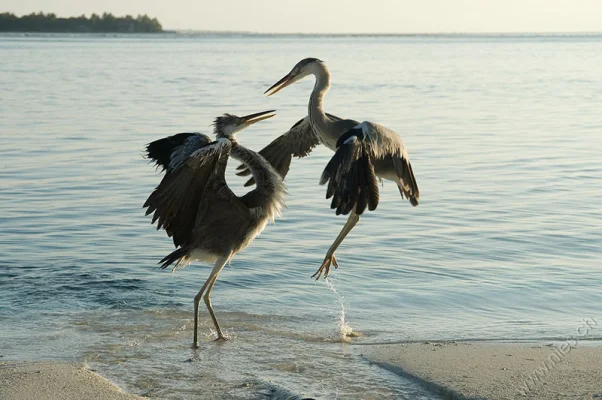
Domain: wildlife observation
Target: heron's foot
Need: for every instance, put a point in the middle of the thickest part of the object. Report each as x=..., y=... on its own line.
x=195, y=345
x=220, y=336
x=325, y=267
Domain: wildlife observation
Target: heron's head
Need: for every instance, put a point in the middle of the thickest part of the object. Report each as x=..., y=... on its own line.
x=305, y=67
x=229, y=125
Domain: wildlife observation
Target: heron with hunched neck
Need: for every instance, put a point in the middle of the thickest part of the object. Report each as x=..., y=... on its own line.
x=195, y=205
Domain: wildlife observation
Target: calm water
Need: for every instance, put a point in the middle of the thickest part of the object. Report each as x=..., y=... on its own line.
x=504, y=136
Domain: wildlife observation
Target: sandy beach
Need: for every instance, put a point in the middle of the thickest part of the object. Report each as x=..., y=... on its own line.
x=454, y=370
x=54, y=381
x=496, y=371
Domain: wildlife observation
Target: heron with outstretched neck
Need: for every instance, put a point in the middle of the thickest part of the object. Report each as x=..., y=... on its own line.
x=363, y=152
x=197, y=208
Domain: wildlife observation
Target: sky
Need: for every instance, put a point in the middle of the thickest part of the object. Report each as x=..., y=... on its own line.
x=342, y=16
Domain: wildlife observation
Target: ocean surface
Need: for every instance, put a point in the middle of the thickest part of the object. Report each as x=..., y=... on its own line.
x=505, y=138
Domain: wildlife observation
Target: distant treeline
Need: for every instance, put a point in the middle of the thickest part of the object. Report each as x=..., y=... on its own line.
x=106, y=22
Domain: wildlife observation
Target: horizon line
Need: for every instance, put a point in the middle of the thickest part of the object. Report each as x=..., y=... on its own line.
x=450, y=33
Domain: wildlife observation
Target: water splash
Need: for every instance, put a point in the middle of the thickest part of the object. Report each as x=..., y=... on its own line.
x=228, y=334
x=345, y=330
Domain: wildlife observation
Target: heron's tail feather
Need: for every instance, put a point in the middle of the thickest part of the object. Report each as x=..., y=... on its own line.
x=179, y=256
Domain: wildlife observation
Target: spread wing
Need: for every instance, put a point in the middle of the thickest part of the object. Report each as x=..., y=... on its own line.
x=299, y=141
x=176, y=200
x=350, y=174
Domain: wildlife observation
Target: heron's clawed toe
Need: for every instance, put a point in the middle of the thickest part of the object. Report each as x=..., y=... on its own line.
x=325, y=267
x=220, y=338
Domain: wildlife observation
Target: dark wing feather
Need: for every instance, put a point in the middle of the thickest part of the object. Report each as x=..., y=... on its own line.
x=388, y=155
x=175, y=201
x=299, y=141
x=164, y=150
x=350, y=175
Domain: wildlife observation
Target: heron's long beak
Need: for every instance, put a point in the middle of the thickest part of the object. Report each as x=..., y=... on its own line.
x=281, y=84
x=260, y=116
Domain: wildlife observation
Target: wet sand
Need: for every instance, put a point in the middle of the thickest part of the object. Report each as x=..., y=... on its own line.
x=455, y=370
x=496, y=370
x=54, y=381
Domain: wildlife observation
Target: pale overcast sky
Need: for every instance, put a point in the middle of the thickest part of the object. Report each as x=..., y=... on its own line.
x=342, y=16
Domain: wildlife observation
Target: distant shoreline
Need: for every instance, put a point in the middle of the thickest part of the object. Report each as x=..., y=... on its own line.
x=105, y=23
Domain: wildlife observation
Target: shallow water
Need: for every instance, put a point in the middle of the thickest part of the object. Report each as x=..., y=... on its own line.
x=504, y=135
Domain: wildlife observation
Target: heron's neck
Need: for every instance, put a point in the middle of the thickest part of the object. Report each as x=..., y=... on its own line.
x=262, y=170
x=317, y=116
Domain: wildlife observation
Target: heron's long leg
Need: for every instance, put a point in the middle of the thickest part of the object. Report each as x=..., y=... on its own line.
x=330, y=259
x=207, y=299
x=219, y=264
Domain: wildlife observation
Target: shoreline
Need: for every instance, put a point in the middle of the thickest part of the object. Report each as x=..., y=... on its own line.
x=50, y=380
x=449, y=369
x=494, y=371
